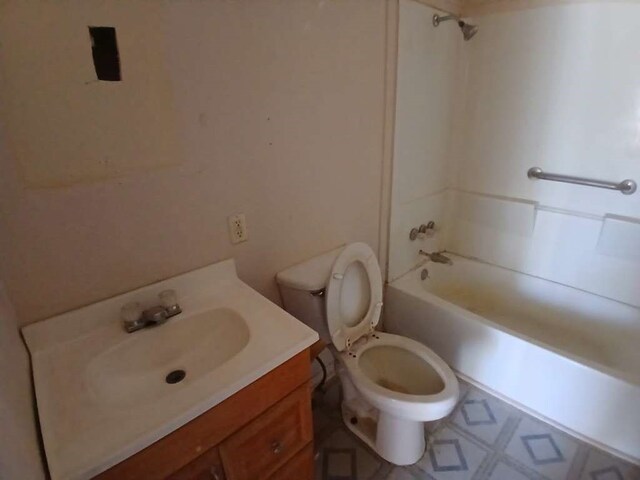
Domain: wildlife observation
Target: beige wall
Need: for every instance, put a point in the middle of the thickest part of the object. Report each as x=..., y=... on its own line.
x=274, y=109
x=19, y=450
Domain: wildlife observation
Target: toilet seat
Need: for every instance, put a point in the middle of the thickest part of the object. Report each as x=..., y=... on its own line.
x=346, y=331
x=420, y=407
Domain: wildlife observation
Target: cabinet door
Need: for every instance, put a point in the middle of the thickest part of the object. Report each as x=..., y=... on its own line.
x=300, y=467
x=263, y=446
x=207, y=466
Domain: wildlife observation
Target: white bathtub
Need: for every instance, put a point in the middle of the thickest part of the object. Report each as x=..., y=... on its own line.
x=567, y=355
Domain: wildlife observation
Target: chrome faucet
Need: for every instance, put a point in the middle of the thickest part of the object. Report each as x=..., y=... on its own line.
x=134, y=318
x=437, y=257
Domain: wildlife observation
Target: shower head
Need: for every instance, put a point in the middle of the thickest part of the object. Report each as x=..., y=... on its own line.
x=468, y=30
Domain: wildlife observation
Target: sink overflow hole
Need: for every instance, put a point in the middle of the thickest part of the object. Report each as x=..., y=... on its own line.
x=175, y=376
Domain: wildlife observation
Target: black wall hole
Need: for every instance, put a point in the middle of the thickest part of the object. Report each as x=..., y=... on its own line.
x=104, y=48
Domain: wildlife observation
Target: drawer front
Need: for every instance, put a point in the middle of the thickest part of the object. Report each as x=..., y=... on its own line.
x=207, y=466
x=271, y=440
x=300, y=467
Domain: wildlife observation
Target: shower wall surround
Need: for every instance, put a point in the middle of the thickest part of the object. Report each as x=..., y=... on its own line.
x=426, y=85
x=468, y=8
x=555, y=87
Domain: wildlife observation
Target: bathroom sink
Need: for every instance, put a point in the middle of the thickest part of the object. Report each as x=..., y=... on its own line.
x=104, y=394
x=136, y=369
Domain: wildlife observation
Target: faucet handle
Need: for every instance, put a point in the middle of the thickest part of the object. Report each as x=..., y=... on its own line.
x=169, y=300
x=131, y=315
x=423, y=231
x=131, y=312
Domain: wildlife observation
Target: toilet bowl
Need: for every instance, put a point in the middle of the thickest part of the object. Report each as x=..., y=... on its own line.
x=391, y=384
x=406, y=383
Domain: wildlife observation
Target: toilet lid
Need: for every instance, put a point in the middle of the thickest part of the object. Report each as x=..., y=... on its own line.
x=354, y=295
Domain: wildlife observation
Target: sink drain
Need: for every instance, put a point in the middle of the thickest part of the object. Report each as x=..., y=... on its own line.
x=175, y=376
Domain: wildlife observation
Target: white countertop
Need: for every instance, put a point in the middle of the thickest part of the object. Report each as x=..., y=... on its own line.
x=85, y=431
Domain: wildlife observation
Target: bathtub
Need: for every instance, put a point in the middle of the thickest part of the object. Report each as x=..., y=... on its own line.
x=565, y=355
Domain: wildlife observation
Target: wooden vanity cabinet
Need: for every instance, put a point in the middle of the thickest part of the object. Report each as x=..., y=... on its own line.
x=207, y=466
x=264, y=431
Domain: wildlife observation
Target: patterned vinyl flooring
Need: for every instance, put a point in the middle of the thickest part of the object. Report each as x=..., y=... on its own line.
x=483, y=439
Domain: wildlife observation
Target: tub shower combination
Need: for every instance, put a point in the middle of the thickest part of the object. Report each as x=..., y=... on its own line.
x=564, y=354
x=532, y=183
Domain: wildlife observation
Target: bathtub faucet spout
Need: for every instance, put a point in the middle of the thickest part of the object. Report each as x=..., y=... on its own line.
x=437, y=257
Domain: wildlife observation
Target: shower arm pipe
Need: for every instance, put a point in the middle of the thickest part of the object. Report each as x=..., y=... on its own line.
x=627, y=187
x=437, y=19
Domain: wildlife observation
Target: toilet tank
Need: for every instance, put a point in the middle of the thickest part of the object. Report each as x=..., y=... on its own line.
x=302, y=289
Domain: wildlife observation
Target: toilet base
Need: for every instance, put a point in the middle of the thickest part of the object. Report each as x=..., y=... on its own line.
x=397, y=440
x=364, y=428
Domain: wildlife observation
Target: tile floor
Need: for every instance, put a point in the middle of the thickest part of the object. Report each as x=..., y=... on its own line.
x=483, y=439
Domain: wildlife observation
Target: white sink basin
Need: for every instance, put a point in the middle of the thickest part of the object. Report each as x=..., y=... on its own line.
x=134, y=370
x=102, y=393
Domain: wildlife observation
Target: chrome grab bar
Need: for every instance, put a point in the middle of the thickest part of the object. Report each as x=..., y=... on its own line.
x=627, y=187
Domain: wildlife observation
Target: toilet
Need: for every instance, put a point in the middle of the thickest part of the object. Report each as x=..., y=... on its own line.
x=391, y=384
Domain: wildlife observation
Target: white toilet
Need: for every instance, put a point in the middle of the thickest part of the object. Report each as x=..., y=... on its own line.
x=391, y=384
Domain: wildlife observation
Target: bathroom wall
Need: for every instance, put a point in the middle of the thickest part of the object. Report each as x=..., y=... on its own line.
x=274, y=109
x=19, y=447
x=427, y=77
x=553, y=87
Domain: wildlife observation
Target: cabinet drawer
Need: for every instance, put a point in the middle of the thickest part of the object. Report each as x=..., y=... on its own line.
x=207, y=466
x=300, y=467
x=268, y=442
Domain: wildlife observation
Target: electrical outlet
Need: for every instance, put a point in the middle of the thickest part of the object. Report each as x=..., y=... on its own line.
x=238, y=228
